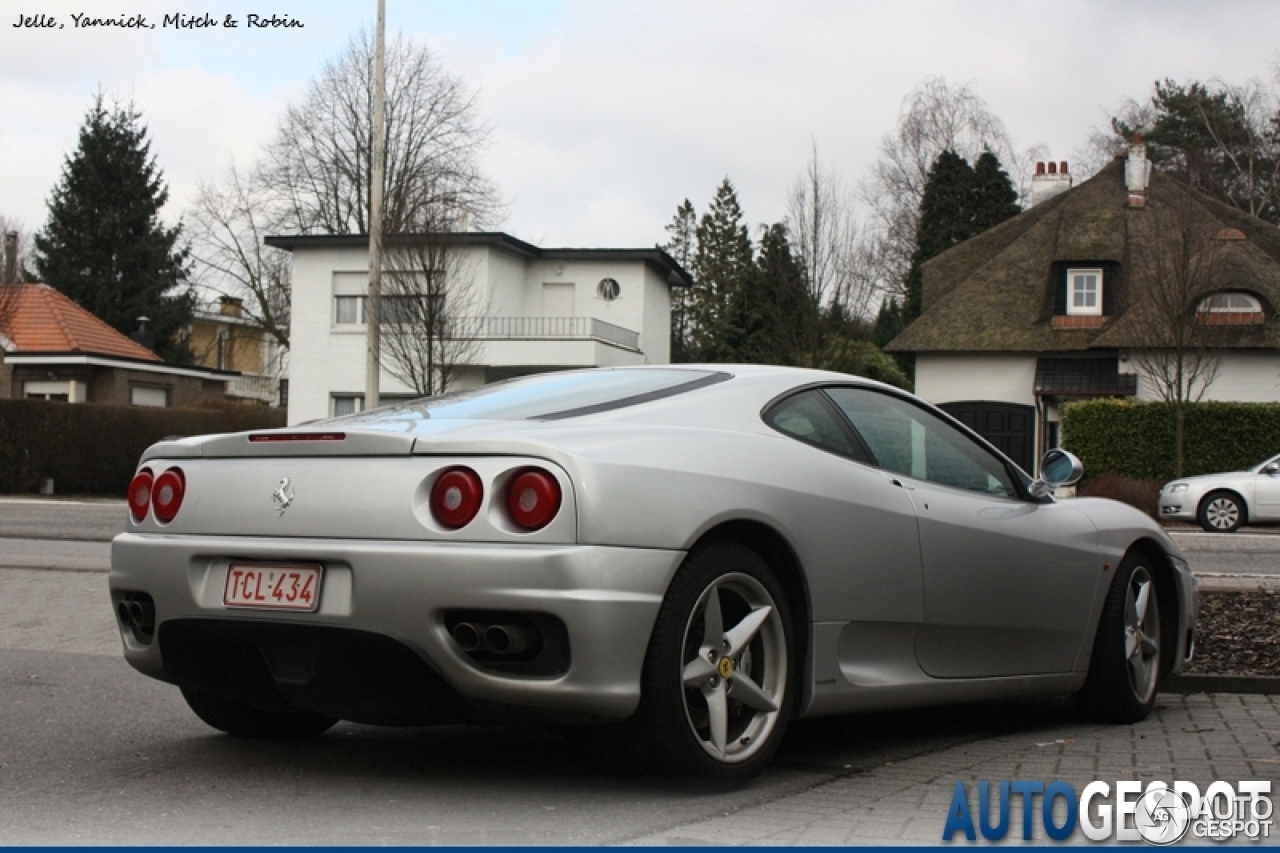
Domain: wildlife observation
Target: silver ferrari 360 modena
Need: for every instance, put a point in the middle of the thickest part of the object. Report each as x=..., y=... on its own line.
x=696, y=553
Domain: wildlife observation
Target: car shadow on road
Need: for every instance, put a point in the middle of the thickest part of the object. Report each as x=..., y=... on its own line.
x=852, y=742
x=588, y=757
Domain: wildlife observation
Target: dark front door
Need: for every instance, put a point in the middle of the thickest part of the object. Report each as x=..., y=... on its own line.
x=1009, y=427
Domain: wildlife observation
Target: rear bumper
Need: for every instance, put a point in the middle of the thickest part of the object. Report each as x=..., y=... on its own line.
x=606, y=598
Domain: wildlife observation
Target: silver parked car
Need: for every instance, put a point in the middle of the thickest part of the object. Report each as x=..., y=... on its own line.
x=1223, y=502
x=703, y=552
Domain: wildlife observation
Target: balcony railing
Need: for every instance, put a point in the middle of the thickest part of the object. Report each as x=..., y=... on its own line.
x=253, y=386
x=547, y=329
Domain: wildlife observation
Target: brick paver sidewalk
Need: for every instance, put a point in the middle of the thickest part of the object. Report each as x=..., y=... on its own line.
x=1198, y=738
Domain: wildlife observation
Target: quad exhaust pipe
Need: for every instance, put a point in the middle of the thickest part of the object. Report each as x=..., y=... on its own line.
x=493, y=639
x=138, y=613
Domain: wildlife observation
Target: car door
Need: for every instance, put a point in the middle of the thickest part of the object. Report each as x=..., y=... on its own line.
x=1008, y=582
x=1266, y=491
x=867, y=560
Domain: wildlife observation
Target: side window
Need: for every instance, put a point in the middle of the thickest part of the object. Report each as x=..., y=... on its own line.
x=808, y=417
x=909, y=440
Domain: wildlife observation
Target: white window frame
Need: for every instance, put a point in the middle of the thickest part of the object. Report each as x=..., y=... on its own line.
x=357, y=404
x=362, y=304
x=1074, y=310
x=148, y=396
x=1207, y=306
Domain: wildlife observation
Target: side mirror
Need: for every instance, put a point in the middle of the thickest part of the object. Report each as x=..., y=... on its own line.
x=1057, y=468
x=1272, y=469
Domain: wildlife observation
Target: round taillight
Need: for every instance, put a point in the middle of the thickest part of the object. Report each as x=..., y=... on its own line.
x=140, y=494
x=167, y=493
x=456, y=497
x=533, y=499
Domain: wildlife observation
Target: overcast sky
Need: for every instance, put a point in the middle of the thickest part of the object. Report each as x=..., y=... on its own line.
x=605, y=115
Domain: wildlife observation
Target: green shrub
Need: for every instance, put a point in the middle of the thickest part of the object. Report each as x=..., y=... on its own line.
x=861, y=358
x=1137, y=439
x=94, y=449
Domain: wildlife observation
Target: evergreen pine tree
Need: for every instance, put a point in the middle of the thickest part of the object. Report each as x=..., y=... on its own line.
x=776, y=307
x=889, y=323
x=680, y=245
x=946, y=219
x=722, y=263
x=104, y=245
x=994, y=198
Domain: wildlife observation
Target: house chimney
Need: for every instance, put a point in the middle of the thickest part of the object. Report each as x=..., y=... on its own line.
x=1050, y=179
x=1137, y=172
x=142, y=336
x=11, y=258
x=230, y=306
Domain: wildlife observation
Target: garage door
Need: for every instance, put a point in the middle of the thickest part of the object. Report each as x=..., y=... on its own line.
x=1009, y=427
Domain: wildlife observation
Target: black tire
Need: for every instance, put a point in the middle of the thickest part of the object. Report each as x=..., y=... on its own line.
x=242, y=720
x=1221, y=512
x=1128, y=658
x=675, y=729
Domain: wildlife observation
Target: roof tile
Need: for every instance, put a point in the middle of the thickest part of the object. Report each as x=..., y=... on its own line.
x=44, y=320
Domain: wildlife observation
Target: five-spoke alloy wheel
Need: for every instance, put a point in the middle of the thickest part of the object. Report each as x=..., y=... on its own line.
x=716, y=693
x=1221, y=512
x=1126, y=665
x=735, y=673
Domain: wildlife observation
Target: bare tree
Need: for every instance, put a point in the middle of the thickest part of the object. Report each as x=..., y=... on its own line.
x=1220, y=138
x=227, y=227
x=433, y=310
x=1180, y=262
x=934, y=118
x=16, y=263
x=315, y=176
x=826, y=241
x=320, y=162
x=1105, y=144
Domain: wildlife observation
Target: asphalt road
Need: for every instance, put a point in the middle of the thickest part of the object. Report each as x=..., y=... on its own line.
x=91, y=752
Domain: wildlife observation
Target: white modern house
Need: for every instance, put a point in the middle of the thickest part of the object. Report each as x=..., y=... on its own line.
x=544, y=309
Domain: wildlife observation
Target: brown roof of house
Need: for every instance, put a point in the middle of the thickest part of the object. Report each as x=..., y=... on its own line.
x=42, y=320
x=995, y=293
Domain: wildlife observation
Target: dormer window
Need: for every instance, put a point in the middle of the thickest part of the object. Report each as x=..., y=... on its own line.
x=1230, y=309
x=1084, y=293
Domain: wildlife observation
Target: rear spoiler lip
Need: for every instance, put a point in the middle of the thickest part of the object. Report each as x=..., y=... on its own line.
x=293, y=442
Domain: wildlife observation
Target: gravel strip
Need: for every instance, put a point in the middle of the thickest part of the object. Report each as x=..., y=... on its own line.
x=1238, y=633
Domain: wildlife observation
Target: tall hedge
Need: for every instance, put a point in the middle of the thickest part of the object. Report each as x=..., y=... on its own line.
x=1137, y=439
x=93, y=449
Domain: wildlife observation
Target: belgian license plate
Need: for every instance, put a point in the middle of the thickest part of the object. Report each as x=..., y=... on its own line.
x=273, y=586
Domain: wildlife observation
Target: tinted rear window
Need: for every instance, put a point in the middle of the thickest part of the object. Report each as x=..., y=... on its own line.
x=547, y=396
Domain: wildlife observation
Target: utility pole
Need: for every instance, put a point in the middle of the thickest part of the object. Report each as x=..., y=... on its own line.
x=373, y=361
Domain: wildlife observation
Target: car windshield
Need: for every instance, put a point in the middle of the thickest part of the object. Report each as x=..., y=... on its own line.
x=1264, y=463
x=546, y=396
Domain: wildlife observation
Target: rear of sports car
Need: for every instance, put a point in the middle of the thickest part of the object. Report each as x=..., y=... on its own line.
x=378, y=577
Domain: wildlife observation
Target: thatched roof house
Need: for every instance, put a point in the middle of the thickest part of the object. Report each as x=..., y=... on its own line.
x=1070, y=298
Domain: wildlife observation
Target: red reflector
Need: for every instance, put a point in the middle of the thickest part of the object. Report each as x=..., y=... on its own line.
x=140, y=494
x=297, y=436
x=533, y=499
x=167, y=493
x=456, y=497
